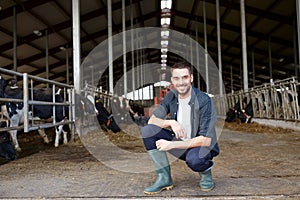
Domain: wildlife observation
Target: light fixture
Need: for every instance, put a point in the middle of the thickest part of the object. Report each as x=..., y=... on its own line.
x=164, y=65
x=163, y=61
x=164, y=56
x=165, y=34
x=62, y=48
x=164, y=50
x=165, y=21
x=37, y=32
x=164, y=43
x=166, y=4
x=165, y=11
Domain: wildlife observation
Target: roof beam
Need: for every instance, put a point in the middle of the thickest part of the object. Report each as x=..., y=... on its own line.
x=26, y=5
x=230, y=27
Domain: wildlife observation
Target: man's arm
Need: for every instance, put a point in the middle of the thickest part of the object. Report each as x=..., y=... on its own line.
x=163, y=123
x=199, y=141
x=168, y=123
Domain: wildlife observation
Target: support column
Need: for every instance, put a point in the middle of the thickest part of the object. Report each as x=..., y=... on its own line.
x=197, y=58
x=15, y=39
x=124, y=48
x=67, y=65
x=76, y=44
x=205, y=47
x=132, y=50
x=298, y=29
x=219, y=48
x=295, y=49
x=244, y=45
x=253, y=67
x=231, y=79
x=110, y=50
x=47, y=55
x=270, y=59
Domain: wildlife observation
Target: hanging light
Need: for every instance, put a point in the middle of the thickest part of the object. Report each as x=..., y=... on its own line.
x=164, y=50
x=37, y=32
x=164, y=43
x=166, y=4
x=165, y=34
x=165, y=21
x=164, y=56
x=62, y=48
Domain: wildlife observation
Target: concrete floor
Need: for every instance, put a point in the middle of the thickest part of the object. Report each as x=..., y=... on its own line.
x=250, y=166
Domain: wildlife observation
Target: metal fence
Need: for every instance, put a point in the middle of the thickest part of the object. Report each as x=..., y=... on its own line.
x=28, y=86
x=276, y=100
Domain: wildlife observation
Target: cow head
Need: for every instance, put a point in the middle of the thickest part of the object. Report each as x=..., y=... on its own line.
x=6, y=148
x=9, y=84
x=12, y=83
x=3, y=84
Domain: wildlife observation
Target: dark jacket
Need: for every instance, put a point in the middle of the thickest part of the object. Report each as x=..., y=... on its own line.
x=203, y=115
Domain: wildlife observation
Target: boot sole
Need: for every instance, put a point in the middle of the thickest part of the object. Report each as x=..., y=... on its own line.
x=164, y=188
x=207, y=189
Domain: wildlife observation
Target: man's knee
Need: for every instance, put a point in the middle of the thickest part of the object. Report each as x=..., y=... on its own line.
x=150, y=130
x=197, y=163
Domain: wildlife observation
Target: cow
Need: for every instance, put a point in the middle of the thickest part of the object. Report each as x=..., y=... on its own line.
x=16, y=111
x=84, y=105
x=137, y=114
x=6, y=147
x=244, y=115
x=105, y=119
x=233, y=113
x=85, y=111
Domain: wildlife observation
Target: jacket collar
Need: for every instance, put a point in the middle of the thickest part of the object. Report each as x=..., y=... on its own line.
x=193, y=95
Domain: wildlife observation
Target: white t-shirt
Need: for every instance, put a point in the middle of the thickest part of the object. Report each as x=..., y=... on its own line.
x=184, y=115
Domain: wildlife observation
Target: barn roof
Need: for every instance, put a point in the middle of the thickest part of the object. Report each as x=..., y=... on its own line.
x=271, y=34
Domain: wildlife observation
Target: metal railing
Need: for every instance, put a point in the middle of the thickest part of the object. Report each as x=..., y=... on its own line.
x=27, y=101
x=276, y=100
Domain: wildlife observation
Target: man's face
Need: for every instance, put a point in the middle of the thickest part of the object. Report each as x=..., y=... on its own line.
x=182, y=79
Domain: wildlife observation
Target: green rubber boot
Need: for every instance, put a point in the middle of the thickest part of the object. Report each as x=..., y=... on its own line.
x=206, y=181
x=163, y=172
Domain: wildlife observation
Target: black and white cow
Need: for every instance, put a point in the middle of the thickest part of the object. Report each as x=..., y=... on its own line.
x=6, y=148
x=245, y=115
x=16, y=112
x=234, y=112
x=85, y=111
x=137, y=114
x=84, y=105
x=105, y=119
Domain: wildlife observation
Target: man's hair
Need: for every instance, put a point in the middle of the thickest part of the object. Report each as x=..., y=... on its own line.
x=182, y=65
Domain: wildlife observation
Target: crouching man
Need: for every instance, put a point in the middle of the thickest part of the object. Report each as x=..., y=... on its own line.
x=184, y=125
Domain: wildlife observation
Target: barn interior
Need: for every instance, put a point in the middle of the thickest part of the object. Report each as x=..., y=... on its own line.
x=254, y=44
x=37, y=37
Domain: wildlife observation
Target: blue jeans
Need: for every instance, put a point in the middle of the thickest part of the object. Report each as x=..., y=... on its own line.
x=198, y=158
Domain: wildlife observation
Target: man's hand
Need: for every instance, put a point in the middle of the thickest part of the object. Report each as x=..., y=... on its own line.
x=163, y=145
x=199, y=141
x=178, y=129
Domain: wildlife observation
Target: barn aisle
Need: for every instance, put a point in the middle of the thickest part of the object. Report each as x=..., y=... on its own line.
x=251, y=165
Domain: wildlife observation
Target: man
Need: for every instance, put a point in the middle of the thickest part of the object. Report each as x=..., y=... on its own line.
x=184, y=125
